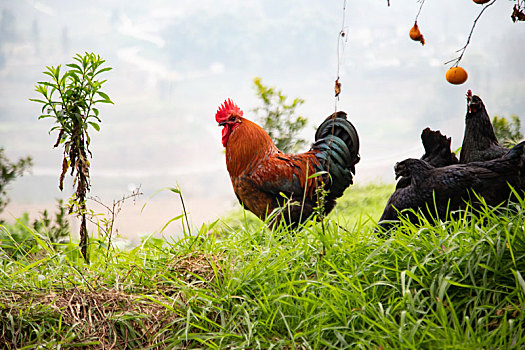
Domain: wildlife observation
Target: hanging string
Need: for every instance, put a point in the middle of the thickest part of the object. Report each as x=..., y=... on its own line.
x=341, y=42
x=420, y=7
x=342, y=38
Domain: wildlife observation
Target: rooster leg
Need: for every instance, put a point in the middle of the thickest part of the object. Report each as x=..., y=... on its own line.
x=292, y=214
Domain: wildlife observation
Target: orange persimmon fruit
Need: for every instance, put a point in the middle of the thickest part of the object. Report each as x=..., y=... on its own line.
x=481, y=1
x=456, y=75
x=416, y=35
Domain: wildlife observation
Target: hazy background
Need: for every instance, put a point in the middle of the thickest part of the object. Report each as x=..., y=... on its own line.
x=174, y=62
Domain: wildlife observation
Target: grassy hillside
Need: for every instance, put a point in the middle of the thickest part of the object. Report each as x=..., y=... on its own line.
x=235, y=284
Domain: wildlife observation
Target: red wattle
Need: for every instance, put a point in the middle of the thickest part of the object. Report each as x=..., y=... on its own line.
x=225, y=135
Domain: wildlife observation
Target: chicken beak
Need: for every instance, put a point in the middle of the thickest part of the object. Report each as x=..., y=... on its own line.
x=222, y=123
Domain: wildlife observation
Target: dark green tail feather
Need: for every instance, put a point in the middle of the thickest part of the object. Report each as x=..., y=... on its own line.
x=337, y=142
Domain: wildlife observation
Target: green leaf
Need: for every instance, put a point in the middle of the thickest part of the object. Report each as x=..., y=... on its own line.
x=174, y=190
x=75, y=66
x=73, y=75
x=41, y=89
x=104, y=96
x=36, y=100
x=52, y=92
x=94, y=84
x=45, y=83
x=95, y=126
x=520, y=279
x=62, y=81
x=29, y=267
x=103, y=101
x=317, y=174
x=170, y=221
x=103, y=70
x=50, y=74
x=96, y=118
x=57, y=73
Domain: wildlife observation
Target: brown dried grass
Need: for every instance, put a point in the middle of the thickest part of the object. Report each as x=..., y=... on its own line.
x=107, y=317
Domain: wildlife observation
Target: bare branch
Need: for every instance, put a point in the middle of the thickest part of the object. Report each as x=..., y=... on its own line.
x=462, y=50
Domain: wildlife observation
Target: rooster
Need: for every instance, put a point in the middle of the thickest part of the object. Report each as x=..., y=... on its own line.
x=479, y=141
x=264, y=178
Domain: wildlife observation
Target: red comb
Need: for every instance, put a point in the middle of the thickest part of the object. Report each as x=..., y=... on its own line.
x=469, y=93
x=226, y=109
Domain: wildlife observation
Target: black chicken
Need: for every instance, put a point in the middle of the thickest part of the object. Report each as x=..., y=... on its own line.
x=437, y=152
x=479, y=142
x=437, y=149
x=451, y=186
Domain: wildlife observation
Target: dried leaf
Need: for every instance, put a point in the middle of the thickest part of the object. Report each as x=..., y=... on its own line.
x=59, y=138
x=337, y=87
x=517, y=14
x=65, y=166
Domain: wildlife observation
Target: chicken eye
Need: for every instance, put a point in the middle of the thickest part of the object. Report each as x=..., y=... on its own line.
x=232, y=119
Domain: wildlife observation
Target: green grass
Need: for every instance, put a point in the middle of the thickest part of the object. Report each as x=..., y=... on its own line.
x=236, y=284
x=361, y=205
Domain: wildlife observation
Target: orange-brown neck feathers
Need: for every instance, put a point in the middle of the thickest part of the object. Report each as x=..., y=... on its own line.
x=247, y=144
